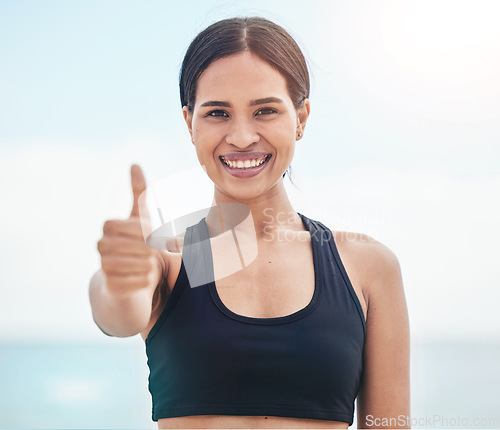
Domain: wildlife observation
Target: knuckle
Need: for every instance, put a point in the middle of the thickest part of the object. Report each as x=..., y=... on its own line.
x=108, y=227
x=101, y=245
x=109, y=262
x=111, y=225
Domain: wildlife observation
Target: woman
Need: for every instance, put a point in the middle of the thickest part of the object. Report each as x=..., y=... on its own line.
x=309, y=322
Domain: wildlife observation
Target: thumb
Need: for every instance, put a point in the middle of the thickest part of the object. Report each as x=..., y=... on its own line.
x=138, y=188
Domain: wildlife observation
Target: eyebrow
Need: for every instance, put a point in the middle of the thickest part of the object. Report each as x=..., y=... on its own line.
x=252, y=103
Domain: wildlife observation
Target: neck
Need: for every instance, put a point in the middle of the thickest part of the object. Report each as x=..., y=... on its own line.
x=262, y=215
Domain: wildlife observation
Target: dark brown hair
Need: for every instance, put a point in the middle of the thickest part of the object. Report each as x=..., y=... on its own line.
x=257, y=35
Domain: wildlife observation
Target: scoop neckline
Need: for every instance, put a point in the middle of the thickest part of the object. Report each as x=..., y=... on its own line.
x=282, y=319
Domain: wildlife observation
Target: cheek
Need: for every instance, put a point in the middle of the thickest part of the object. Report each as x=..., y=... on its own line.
x=288, y=134
x=202, y=132
x=195, y=124
x=205, y=152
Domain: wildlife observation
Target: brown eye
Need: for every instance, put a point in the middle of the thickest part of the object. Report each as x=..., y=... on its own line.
x=217, y=113
x=266, y=111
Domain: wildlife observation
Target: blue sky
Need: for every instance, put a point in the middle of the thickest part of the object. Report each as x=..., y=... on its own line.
x=402, y=143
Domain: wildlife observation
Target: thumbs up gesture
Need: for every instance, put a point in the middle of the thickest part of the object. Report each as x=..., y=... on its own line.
x=128, y=263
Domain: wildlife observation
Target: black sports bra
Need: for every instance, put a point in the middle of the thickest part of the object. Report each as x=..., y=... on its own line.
x=205, y=359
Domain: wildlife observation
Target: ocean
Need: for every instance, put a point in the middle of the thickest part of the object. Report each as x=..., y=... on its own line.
x=90, y=386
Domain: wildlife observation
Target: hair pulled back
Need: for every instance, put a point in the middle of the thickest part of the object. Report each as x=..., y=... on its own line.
x=232, y=36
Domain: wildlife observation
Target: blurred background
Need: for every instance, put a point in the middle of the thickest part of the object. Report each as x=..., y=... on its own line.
x=403, y=143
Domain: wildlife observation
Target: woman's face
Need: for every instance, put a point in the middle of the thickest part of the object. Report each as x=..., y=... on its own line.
x=244, y=125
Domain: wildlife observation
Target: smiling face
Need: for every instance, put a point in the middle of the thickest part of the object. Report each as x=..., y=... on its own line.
x=244, y=126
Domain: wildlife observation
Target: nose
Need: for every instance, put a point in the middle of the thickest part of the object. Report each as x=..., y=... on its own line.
x=242, y=133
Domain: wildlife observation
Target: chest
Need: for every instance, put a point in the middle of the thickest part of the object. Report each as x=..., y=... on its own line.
x=279, y=281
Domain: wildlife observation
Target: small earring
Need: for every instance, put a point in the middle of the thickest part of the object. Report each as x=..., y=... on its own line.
x=299, y=135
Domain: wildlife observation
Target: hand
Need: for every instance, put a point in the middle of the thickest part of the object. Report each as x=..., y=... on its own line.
x=128, y=263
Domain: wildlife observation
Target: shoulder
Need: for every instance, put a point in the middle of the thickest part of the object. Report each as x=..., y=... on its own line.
x=374, y=265
x=375, y=252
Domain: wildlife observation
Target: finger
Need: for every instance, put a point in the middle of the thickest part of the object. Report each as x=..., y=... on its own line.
x=127, y=283
x=122, y=245
x=125, y=265
x=138, y=188
x=131, y=228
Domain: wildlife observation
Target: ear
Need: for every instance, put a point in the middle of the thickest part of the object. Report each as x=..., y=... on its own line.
x=188, y=117
x=302, y=115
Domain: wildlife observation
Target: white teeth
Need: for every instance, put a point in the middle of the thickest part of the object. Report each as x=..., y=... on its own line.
x=244, y=164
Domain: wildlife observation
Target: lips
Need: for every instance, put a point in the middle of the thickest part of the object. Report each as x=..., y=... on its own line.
x=244, y=165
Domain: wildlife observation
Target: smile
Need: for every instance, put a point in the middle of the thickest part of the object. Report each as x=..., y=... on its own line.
x=244, y=165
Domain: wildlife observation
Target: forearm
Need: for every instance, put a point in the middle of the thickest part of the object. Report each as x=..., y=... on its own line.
x=119, y=316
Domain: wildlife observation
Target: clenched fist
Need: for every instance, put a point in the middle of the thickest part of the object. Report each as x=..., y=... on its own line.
x=128, y=263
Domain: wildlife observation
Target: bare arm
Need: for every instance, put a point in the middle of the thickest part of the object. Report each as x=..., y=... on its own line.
x=384, y=397
x=121, y=292
x=119, y=316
